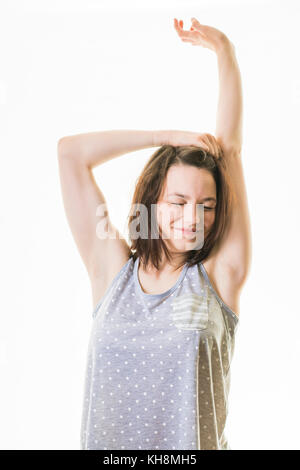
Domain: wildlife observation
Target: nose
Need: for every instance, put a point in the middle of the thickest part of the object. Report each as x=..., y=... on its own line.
x=193, y=217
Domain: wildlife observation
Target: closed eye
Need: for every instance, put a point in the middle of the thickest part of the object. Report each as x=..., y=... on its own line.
x=205, y=207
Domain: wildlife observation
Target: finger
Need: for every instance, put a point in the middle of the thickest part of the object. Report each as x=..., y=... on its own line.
x=176, y=24
x=179, y=23
x=200, y=28
x=186, y=40
x=196, y=23
x=183, y=34
x=203, y=145
x=192, y=36
x=194, y=20
x=179, y=27
x=207, y=144
x=211, y=144
x=199, y=141
x=214, y=146
x=220, y=151
x=217, y=146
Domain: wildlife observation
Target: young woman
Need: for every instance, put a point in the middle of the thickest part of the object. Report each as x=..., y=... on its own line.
x=166, y=307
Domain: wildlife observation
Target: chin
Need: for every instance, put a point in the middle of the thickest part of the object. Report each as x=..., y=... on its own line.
x=186, y=244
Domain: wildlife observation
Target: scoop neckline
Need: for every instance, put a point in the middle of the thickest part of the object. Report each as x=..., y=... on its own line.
x=162, y=294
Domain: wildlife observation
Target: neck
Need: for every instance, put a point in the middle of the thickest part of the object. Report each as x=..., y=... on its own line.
x=166, y=267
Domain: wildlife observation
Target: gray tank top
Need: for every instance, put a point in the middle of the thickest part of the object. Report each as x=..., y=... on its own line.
x=158, y=366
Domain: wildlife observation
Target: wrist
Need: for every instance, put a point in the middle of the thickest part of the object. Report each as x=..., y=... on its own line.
x=160, y=137
x=224, y=46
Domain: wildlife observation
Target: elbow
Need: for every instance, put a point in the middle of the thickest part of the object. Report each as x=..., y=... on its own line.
x=62, y=146
x=230, y=147
x=68, y=147
x=236, y=148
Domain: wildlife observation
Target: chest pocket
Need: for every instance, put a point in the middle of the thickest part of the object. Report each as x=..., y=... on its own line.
x=190, y=311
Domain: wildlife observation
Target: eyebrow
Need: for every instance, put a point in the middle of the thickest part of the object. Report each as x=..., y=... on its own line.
x=185, y=196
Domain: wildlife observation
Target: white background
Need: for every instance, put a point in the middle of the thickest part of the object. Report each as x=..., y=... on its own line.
x=77, y=66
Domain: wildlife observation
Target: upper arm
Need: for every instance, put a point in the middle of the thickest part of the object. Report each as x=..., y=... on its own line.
x=234, y=250
x=82, y=197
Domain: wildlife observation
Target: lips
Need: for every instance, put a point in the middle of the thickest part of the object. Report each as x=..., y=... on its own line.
x=188, y=233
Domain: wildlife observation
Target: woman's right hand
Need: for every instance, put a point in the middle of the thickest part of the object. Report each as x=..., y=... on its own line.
x=201, y=35
x=206, y=141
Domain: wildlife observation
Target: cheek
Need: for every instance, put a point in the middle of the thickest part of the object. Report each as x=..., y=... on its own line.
x=209, y=219
x=166, y=215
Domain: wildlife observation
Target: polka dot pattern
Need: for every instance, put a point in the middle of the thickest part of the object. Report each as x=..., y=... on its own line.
x=158, y=366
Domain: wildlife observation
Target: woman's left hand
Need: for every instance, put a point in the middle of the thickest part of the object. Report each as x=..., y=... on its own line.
x=207, y=141
x=201, y=34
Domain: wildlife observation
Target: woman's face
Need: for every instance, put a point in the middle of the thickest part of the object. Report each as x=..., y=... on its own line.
x=185, y=187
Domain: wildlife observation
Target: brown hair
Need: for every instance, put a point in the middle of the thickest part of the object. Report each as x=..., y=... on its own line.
x=148, y=189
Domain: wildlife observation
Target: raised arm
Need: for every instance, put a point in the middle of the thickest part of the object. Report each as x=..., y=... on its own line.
x=94, y=148
x=235, y=249
x=82, y=198
x=233, y=257
x=230, y=104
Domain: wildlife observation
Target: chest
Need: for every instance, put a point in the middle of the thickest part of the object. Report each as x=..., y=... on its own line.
x=154, y=285
x=222, y=284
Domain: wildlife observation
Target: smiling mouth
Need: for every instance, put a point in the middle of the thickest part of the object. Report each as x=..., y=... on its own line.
x=187, y=232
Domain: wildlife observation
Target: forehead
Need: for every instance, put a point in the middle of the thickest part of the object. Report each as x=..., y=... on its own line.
x=189, y=180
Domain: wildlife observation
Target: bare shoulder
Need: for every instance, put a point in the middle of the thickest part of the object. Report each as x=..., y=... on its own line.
x=224, y=282
x=116, y=256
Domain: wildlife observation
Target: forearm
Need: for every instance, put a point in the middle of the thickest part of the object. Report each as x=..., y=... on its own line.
x=229, y=113
x=94, y=148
